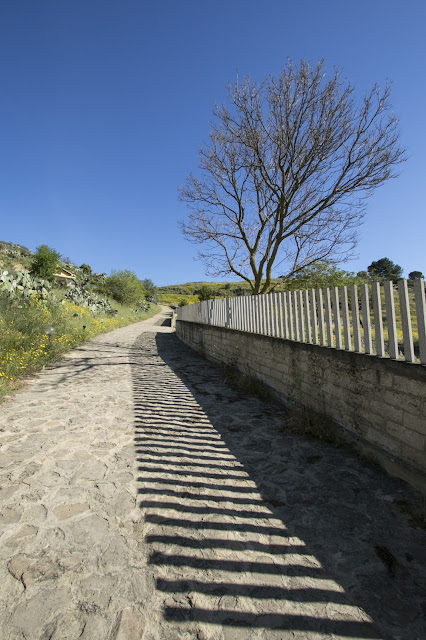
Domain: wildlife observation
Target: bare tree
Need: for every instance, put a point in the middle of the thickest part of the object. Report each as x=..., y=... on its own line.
x=286, y=172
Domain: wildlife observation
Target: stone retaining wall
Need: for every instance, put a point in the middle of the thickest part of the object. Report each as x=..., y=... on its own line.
x=380, y=403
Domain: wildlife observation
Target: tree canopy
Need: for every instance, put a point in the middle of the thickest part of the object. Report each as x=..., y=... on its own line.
x=45, y=262
x=286, y=171
x=322, y=275
x=125, y=287
x=385, y=269
x=205, y=292
x=415, y=275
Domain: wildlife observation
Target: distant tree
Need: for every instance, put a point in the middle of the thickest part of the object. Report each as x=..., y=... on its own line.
x=415, y=275
x=125, y=287
x=240, y=291
x=205, y=292
x=384, y=269
x=363, y=275
x=87, y=269
x=286, y=172
x=151, y=290
x=324, y=274
x=45, y=262
x=149, y=285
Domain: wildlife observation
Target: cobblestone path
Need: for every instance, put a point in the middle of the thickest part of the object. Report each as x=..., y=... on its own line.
x=144, y=498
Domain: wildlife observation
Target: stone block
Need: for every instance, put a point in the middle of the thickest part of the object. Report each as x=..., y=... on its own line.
x=311, y=391
x=386, y=410
x=372, y=419
x=339, y=393
x=415, y=423
x=129, y=625
x=411, y=387
x=409, y=437
x=377, y=377
x=409, y=403
x=286, y=381
x=65, y=511
x=416, y=458
x=357, y=402
x=263, y=368
x=385, y=441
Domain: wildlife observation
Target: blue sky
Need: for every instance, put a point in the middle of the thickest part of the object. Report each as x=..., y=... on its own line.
x=105, y=104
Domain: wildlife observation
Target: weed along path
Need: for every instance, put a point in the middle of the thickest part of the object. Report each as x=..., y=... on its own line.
x=143, y=498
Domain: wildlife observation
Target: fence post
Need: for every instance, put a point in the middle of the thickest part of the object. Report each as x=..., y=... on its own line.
x=290, y=315
x=355, y=318
x=390, y=319
x=247, y=313
x=284, y=304
x=307, y=317
x=378, y=320
x=258, y=319
x=321, y=318
x=366, y=319
x=252, y=309
x=268, y=314
x=280, y=319
x=346, y=322
x=406, y=321
x=244, y=313
x=277, y=332
x=257, y=313
x=314, y=321
x=419, y=294
x=273, y=311
x=296, y=316
x=337, y=321
x=301, y=314
x=328, y=320
x=262, y=314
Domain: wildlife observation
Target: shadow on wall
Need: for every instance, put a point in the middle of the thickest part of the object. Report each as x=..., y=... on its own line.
x=250, y=528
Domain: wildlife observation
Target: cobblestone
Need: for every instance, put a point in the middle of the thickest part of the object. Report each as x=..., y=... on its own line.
x=144, y=498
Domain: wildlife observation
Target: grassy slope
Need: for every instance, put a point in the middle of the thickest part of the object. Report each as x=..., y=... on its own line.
x=24, y=344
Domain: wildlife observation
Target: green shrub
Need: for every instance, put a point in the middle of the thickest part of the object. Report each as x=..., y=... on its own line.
x=35, y=332
x=45, y=262
x=125, y=287
x=206, y=293
x=86, y=269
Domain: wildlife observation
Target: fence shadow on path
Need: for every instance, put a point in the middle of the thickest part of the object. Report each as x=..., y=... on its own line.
x=251, y=529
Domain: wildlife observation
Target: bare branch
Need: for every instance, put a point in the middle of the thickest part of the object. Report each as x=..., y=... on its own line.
x=286, y=173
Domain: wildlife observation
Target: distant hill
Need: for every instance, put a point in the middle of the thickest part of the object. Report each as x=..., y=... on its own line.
x=15, y=257
x=188, y=292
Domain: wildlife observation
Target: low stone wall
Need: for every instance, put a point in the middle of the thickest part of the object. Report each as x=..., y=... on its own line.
x=380, y=403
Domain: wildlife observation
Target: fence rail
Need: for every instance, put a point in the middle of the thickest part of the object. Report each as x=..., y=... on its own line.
x=375, y=319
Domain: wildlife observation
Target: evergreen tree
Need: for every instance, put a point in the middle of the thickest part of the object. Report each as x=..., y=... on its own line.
x=45, y=262
x=384, y=269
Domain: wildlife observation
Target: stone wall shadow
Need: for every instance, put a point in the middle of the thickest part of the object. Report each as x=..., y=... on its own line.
x=250, y=528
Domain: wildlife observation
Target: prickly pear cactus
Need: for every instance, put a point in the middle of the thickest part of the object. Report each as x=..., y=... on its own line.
x=80, y=296
x=23, y=285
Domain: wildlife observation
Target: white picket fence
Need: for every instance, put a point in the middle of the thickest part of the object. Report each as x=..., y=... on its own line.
x=331, y=317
